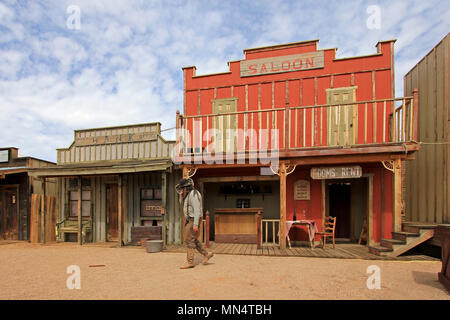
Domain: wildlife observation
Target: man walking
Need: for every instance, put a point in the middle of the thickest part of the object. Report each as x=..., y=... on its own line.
x=191, y=201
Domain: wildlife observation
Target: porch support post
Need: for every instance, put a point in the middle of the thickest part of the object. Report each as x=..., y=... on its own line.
x=80, y=233
x=185, y=172
x=43, y=213
x=120, y=211
x=397, y=195
x=282, y=174
x=183, y=229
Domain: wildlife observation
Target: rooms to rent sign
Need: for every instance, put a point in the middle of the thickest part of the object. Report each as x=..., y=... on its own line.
x=336, y=172
x=294, y=62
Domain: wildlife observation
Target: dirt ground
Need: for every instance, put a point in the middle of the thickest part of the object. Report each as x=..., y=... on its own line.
x=34, y=271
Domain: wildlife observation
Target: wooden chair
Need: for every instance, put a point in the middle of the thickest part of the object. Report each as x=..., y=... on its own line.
x=328, y=228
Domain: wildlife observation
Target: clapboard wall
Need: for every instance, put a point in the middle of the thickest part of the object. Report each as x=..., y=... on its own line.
x=132, y=184
x=428, y=176
x=141, y=141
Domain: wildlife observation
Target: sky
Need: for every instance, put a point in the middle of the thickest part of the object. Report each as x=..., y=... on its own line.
x=67, y=65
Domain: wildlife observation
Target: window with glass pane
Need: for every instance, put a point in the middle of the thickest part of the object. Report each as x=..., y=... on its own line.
x=85, y=203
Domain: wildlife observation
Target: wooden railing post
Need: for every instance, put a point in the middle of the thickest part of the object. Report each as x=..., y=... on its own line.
x=258, y=229
x=416, y=114
x=207, y=229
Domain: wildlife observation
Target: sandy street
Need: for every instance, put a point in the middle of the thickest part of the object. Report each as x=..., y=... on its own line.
x=30, y=271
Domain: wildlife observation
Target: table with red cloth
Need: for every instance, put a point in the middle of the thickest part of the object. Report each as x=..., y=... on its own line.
x=312, y=229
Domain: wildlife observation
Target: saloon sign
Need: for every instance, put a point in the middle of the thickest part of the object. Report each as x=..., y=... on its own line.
x=336, y=172
x=295, y=62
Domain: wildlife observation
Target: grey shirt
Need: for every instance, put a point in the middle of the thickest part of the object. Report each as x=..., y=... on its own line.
x=192, y=207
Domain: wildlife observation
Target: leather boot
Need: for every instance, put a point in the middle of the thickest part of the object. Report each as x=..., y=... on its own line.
x=190, y=259
x=207, y=257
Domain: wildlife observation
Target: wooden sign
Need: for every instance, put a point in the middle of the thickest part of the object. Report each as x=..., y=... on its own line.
x=119, y=138
x=302, y=190
x=4, y=156
x=294, y=62
x=336, y=172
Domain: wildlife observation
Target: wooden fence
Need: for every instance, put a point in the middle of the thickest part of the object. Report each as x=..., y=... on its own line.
x=38, y=210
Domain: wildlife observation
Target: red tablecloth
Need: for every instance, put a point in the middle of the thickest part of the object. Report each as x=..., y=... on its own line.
x=310, y=223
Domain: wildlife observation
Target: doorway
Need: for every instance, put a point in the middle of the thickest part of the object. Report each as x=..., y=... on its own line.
x=340, y=207
x=112, y=212
x=9, y=227
x=347, y=200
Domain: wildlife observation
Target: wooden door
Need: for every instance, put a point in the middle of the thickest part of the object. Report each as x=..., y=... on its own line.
x=225, y=125
x=341, y=117
x=112, y=212
x=9, y=229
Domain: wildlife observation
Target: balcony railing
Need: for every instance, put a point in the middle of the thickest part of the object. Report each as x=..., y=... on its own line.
x=383, y=121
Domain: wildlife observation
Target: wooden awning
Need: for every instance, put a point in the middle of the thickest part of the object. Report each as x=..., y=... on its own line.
x=100, y=168
x=11, y=170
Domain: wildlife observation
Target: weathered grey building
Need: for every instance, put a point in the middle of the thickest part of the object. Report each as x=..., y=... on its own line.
x=126, y=180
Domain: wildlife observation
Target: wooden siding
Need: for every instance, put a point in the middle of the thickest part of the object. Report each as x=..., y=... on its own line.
x=115, y=144
x=132, y=183
x=427, y=177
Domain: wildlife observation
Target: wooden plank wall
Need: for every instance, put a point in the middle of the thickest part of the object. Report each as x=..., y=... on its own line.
x=35, y=218
x=427, y=177
x=132, y=187
x=158, y=148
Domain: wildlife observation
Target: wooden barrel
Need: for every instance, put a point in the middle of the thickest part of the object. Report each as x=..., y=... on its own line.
x=154, y=245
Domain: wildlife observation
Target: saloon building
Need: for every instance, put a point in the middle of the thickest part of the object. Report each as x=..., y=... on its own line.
x=116, y=184
x=294, y=133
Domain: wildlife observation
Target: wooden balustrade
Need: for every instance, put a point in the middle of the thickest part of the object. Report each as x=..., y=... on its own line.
x=294, y=128
x=270, y=227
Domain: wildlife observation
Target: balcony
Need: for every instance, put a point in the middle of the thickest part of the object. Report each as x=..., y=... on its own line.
x=386, y=125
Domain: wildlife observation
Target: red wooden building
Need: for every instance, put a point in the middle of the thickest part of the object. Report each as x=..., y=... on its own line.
x=303, y=135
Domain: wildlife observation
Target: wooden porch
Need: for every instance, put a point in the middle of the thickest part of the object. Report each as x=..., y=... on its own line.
x=342, y=251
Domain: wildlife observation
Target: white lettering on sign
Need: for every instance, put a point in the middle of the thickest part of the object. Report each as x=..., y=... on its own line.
x=294, y=62
x=336, y=172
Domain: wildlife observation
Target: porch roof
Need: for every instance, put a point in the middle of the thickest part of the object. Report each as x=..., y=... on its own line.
x=11, y=170
x=100, y=168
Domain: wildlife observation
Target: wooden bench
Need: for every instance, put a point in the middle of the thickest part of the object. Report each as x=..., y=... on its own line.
x=71, y=226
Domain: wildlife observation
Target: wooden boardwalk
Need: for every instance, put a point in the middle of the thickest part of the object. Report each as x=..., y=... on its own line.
x=342, y=251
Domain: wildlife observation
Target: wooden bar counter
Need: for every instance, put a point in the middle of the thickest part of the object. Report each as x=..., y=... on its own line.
x=236, y=225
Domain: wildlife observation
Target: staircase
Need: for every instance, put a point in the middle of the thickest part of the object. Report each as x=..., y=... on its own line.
x=412, y=235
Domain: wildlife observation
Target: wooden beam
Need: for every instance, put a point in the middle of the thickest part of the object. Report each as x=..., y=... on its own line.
x=164, y=205
x=240, y=178
x=43, y=213
x=282, y=206
x=370, y=211
x=80, y=234
x=397, y=221
x=120, y=208
x=185, y=172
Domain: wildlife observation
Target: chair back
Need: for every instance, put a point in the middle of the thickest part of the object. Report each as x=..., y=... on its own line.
x=329, y=224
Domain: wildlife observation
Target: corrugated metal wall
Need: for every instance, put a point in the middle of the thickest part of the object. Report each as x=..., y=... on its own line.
x=427, y=177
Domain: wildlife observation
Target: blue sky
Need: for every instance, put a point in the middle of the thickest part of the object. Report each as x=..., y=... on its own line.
x=123, y=65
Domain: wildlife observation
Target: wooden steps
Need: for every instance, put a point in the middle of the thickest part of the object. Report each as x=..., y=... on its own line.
x=401, y=242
